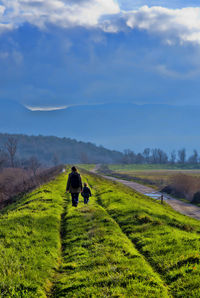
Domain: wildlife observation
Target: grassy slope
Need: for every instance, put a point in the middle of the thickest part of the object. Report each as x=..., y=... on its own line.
x=169, y=241
x=100, y=261
x=108, y=248
x=30, y=242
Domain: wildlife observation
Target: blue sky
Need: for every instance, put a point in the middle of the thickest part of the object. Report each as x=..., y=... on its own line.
x=64, y=52
x=130, y=4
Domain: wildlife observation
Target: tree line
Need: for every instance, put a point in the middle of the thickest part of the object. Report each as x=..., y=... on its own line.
x=32, y=152
x=8, y=157
x=159, y=156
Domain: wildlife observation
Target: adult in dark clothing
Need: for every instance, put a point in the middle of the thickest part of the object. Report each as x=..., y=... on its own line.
x=86, y=193
x=74, y=185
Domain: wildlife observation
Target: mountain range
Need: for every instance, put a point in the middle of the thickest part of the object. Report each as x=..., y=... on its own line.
x=116, y=126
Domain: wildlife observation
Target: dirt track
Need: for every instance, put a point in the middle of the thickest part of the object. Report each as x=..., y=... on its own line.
x=184, y=208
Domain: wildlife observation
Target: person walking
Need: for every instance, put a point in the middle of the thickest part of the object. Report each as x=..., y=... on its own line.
x=74, y=185
x=86, y=193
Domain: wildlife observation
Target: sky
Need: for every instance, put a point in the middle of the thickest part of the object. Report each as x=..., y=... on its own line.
x=57, y=53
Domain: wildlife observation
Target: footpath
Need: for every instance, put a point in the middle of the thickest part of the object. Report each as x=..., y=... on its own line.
x=182, y=207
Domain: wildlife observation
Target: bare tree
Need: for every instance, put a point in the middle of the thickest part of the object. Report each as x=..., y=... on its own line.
x=139, y=158
x=129, y=156
x=193, y=159
x=1, y=162
x=162, y=156
x=173, y=157
x=154, y=155
x=11, y=147
x=3, y=158
x=159, y=156
x=34, y=164
x=146, y=154
x=182, y=155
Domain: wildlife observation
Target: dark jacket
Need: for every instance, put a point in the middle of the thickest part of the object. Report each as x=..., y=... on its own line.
x=86, y=193
x=69, y=186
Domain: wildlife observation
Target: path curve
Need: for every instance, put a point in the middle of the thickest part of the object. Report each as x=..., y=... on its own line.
x=184, y=208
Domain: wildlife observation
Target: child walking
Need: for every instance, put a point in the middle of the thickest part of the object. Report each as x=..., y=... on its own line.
x=86, y=193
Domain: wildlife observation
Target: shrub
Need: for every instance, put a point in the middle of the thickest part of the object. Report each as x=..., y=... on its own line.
x=185, y=186
x=15, y=181
x=196, y=198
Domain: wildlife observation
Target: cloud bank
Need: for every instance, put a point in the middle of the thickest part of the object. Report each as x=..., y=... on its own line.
x=63, y=13
x=171, y=24
x=183, y=23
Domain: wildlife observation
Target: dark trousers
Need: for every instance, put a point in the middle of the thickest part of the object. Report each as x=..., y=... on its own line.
x=86, y=200
x=75, y=199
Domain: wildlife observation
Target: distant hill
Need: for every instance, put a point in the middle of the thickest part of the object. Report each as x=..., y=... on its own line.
x=118, y=126
x=53, y=150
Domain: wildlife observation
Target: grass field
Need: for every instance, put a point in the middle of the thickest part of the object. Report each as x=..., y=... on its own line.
x=120, y=245
x=139, y=167
x=156, y=176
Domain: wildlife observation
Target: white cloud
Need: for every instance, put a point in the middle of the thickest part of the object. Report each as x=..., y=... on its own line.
x=171, y=24
x=46, y=109
x=5, y=27
x=56, y=108
x=64, y=13
x=2, y=9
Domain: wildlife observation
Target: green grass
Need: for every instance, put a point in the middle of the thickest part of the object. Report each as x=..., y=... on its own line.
x=30, y=242
x=135, y=167
x=155, y=176
x=121, y=245
x=169, y=241
x=100, y=261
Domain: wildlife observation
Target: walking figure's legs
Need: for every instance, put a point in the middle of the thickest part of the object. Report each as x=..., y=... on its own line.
x=75, y=199
x=86, y=200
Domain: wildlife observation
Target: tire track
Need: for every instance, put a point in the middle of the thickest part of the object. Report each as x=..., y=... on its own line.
x=134, y=243
x=63, y=232
x=100, y=219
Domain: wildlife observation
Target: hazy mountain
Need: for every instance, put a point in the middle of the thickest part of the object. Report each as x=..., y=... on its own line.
x=116, y=126
x=53, y=150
